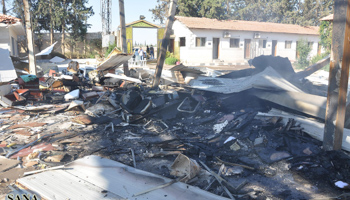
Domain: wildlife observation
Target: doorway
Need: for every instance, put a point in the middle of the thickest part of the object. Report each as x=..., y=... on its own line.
x=274, y=48
x=247, y=48
x=171, y=45
x=216, y=45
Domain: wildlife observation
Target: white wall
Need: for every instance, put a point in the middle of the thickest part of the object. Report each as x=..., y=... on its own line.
x=192, y=54
x=4, y=37
x=15, y=47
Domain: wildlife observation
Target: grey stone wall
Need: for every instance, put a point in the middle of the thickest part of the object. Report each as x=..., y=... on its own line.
x=88, y=48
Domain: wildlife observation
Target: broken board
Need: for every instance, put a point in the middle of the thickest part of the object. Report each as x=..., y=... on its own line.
x=94, y=177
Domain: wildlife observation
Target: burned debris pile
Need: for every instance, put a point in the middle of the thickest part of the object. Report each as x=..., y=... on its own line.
x=196, y=136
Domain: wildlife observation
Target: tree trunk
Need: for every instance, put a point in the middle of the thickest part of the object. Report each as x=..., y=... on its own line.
x=32, y=65
x=63, y=29
x=3, y=7
x=228, y=7
x=51, y=22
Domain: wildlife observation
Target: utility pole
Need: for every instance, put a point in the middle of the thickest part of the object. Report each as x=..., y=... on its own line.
x=31, y=56
x=123, y=34
x=165, y=42
x=338, y=77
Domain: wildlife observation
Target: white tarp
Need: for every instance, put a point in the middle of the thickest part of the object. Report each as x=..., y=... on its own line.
x=7, y=70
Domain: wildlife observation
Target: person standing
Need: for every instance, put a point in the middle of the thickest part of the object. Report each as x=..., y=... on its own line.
x=147, y=50
x=141, y=53
x=151, y=51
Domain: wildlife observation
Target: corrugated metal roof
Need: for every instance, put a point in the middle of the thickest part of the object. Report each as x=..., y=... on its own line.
x=94, y=177
x=239, y=25
x=114, y=60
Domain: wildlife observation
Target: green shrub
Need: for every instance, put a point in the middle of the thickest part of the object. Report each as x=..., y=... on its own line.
x=170, y=61
x=317, y=58
x=167, y=54
x=110, y=49
x=303, y=50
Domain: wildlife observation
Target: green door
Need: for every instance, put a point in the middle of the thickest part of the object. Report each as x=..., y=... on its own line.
x=129, y=43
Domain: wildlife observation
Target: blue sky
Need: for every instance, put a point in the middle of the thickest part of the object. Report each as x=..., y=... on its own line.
x=133, y=10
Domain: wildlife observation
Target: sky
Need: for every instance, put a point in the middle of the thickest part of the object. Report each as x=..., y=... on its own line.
x=133, y=10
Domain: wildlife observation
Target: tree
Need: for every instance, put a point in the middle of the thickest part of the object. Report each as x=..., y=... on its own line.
x=326, y=35
x=78, y=14
x=3, y=7
x=58, y=15
x=303, y=50
x=216, y=9
x=302, y=12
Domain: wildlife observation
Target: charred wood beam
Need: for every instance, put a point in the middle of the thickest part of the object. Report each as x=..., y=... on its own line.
x=338, y=77
x=313, y=68
x=165, y=42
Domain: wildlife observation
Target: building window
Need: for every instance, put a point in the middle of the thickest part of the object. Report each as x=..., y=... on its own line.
x=200, y=41
x=234, y=43
x=262, y=44
x=311, y=44
x=288, y=45
x=182, y=41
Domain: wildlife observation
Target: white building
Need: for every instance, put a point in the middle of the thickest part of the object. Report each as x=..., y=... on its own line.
x=10, y=29
x=203, y=41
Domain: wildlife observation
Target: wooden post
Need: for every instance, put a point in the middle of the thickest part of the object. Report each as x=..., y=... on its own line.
x=31, y=56
x=123, y=34
x=338, y=77
x=165, y=42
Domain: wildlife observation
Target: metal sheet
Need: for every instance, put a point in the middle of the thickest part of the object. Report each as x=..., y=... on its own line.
x=114, y=60
x=7, y=70
x=306, y=103
x=87, y=177
x=60, y=185
x=268, y=79
x=123, y=78
x=46, y=51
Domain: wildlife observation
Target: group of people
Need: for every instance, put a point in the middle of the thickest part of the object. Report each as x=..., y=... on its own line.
x=140, y=54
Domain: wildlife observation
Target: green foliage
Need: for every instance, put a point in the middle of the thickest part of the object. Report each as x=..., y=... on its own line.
x=58, y=15
x=306, y=12
x=110, y=49
x=317, y=58
x=170, y=61
x=92, y=55
x=326, y=30
x=303, y=50
x=168, y=54
x=216, y=9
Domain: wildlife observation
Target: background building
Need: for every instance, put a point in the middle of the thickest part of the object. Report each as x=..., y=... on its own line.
x=203, y=41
